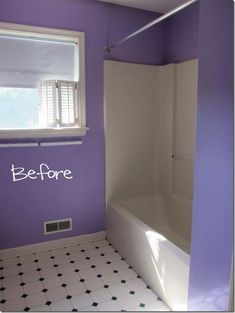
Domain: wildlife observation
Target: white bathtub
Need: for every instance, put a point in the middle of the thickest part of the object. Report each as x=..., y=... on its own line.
x=141, y=231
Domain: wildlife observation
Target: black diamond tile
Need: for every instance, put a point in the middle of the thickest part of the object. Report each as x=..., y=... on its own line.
x=159, y=299
x=22, y=284
x=82, y=280
x=74, y=310
x=122, y=259
x=83, y=250
x=26, y=309
x=123, y=310
x=115, y=271
x=64, y=285
x=59, y=275
x=132, y=292
x=2, y=277
x=69, y=297
x=93, y=266
x=102, y=254
x=76, y=270
x=52, y=257
x=24, y=295
x=2, y=288
x=67, y=253
x=88, y=291
x=106, y=286
x=48, y=303
x=41, y=279
x=18, y=264
x=108, y=262
x=35, y=261
x=72, y=261
x=142, y=305
x=114, y=298
x=115, y=251
x=99, y=275
x=123, y=281
x=130, y=267
x=2, y=301
x=87, y=258
x=97, y=247
x=94, y=304
x=44, y=290
x=138, y=276
x=148, y=287
x=21, y=273
x=1, y=268
x=38, y=269
x=110, y=244
x=55, y=265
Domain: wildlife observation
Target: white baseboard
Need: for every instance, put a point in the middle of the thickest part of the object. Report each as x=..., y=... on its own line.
x=52, y=244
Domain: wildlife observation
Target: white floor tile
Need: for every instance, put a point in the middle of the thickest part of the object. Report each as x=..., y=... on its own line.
x=75, y=288
x=104, y=269
x=27, y=258
x=119, y=290
x=87, y=273
x=61, y=306
x=10, y=262
x=12, y=292
x=43, y=255
x=97, y=260
x=73, y=249
x=89, y=309
x=33, y=287
x=28, y=267
x=100, y=295
x=127, y=302
x=101, y=243
x=107, y=250
x=58, y=252
x=146, y=296
x=92, y=253
x=65, y=268
x=158, y=306
x=45, y=263
x=113, y=257
x=48, y=272
x=87, y=246
x=16, y=304
x=62, y=259
x=127, y=274
x=119, y=265
x=109, y=306
x=36, y=299
x=82, y=264
x=11, y=281
x=56, y=294
x=52, y=282
x=43, y=308
x=70, y=278
x=10, y=271
x=111, y=279
x=81, y=301
x=30, y=276
x=94, y=283
x=77, y=256
x=136, y=284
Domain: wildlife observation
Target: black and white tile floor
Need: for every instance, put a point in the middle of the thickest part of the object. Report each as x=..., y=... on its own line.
x=85, y=277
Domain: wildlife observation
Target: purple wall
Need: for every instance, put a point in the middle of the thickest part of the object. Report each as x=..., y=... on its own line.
x=26, y=204
x=212, y=235
x=181, y=35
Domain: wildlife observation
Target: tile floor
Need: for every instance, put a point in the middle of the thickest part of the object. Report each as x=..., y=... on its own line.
x=85, y=277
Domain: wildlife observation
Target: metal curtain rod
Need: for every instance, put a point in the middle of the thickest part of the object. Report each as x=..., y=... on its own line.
x=154, y=22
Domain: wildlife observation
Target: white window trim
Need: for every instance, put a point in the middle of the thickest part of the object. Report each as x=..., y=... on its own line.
x=61, y=34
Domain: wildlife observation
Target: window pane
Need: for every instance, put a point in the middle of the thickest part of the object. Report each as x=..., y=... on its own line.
x=18, y=108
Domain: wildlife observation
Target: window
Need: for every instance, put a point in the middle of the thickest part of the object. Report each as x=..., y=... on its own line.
x=42, y=82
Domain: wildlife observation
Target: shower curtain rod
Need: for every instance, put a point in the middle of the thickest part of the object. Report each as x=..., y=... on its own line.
x=154, y=22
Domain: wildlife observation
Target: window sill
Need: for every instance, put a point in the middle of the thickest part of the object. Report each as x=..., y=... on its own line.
x=43, y=133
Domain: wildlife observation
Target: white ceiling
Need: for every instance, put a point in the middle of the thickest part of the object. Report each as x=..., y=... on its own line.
x=161, y=6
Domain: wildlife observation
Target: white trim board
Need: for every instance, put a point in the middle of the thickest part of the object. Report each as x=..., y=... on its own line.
x=52, y=244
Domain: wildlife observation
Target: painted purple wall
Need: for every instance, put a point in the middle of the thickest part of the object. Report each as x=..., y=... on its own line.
x=181, y=35
x=26, y=204
x=212, y=234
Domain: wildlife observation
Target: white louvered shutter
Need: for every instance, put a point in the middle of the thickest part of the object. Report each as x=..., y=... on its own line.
x=67, y=103
x=48, y=103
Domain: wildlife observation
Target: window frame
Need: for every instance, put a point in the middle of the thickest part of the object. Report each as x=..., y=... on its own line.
x=60, y=34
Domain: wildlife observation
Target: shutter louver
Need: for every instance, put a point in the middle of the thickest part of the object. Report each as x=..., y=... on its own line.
x=67, y=99
x=48, y=103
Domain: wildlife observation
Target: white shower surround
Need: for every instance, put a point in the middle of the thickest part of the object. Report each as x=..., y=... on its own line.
x=150, y=116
